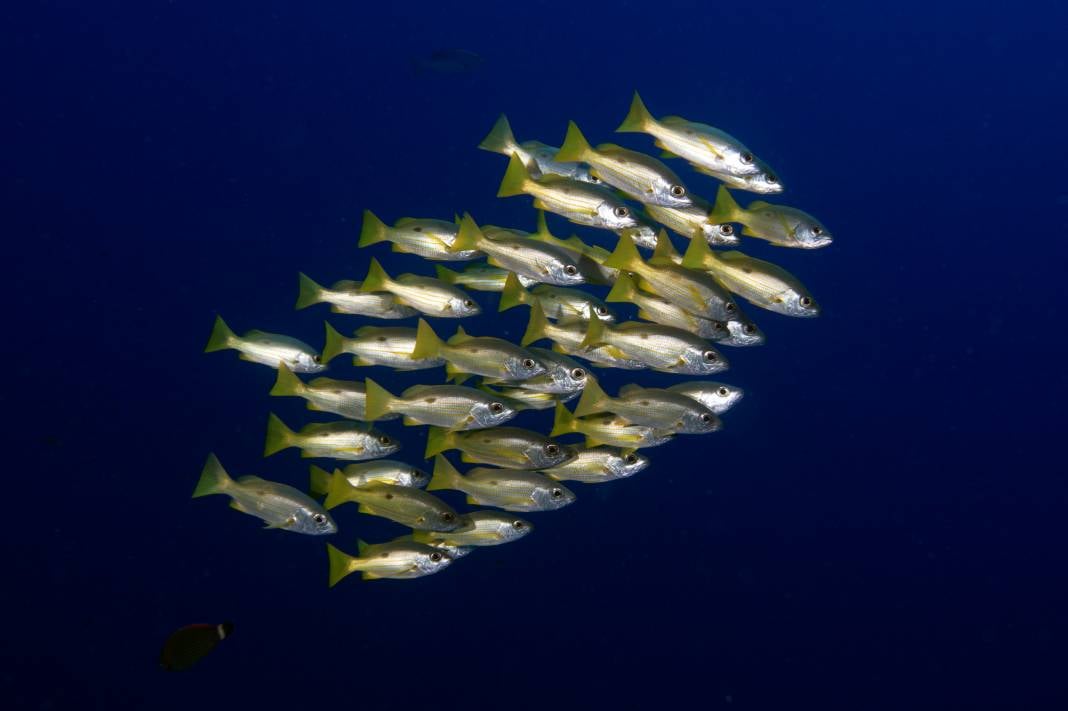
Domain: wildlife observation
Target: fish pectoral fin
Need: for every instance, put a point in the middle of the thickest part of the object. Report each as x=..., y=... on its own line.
x=411, y=421
x=715, y=151
x=238, y=506
x=667, y=154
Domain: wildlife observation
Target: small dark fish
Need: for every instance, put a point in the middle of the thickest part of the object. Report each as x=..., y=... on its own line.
x=449, y=61
x=190, y=644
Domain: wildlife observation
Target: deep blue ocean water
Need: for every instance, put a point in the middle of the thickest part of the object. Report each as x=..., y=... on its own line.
x=880, y=525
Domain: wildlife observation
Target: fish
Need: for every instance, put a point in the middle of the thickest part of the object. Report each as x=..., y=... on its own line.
x=637, y=175
x=382, y=471
x=479, y=277
x=345, y=297
x=653, y=407
x=695, y=221
x=563, y=375
x=581, y=203
x=743, y=332
x=487, y=528
x=509, y=447
x=402, y=559
x=266, y=348
x=466, y=355
x=557, y=302
x=570, y=338
x=606, y=428
x=188, y=645
x=717, y=397
x=523, y=399
x=597, y=465
x=334, y=440
x=662, y=348
x=589, y=257
x=760, y=283
x=277, y=505
x=453, y=407
x=426, y=295
x=390, y=347
x=709, y=150
x=781, y=225
x=427, y=238
x=653, y=308
x=693, y=290
x=405, y=505
x=643, y=234
x=508, y=489
x=539, y=158
x=449, y=60
x=514, y=251
x=341, y=397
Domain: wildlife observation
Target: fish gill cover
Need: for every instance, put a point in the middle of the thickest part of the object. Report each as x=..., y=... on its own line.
x=685, y=306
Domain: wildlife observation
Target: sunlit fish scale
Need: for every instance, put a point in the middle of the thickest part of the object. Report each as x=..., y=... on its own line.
x=637, y=175
x=269, y=349
x=523, y=399
x=345, y=297
x=693, y=290
x=695, y=221
x=479, y=277
x=453, y=407
x=381, y=471
x=401, y=559
x=485, y=528
x=424, y=294
x=581, y=203
x=516, y=252
x=278, y=505
x=607, y=428
x=597, y=465
x=335, y=440
x=658, y=310
x=405, y=505
x=509, y=447
x=709, y=150
x=427, y=238
x=487, y=356
x=662, y=348
x=653, y=407
x=557, y=302
x=508, y=489
x=589, y=257
x=389, y=347
x=778, y=224
x=341, y=397
x=570, y=338
x=563, y=375
x=761, y=283
x=717, y=397
x=539, y=158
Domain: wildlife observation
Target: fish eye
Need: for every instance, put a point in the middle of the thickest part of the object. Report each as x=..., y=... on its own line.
x=710, y=356
x=556, y=493
x=772, y=178
x=435, y=557
x=749, y=328
x=319, y=518
x=468, y=303
x=631, y=458
x=817, y=230
x=319, y=359
x=727, y=229
x=622, y=211
x=594, y=178
x=572, y=270
x=705, y=417
x=528, y=363
x=496, y=408
x=448, y=517
x=746, y=157
x=519, y=525
x=552, y=449
x=678, y=190
x=578, y=373
x=730, y=307
x=600, y=310
x=718, y=326
x=805, y=301
x=384, y=439
x=723, y=392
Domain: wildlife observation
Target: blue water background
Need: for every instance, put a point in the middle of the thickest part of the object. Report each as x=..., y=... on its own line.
x=880, y=525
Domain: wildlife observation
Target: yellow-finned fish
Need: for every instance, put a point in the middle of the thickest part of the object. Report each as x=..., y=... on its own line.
x=653, y=308
x=557, y=302
x=424, y=294
x=278, y=505
x=509, y=447
x=391, y=347
x=427, y=238
x=781, y=225
x=466, y=355
x=639, y=176
x=508, y=489
x=563, y=375
x=589, y=256
x=453, y=407
x=516, y=252
x=709, y=150
x=695, y=222
x=539, y=158
x=402, y=504
x=608, y=429
x=334, y=440
x=569, y=337
x=653, y=407
x=662, y=348
x=266, y=348
x=523, y=399
x=341, y=397
x=345, y=297
x=717, y=397
x=479, y=277
x=382, y=471
x=581, y=203
x=487, y=528
x=402, y=558
x=599, y=464
x=643, y=234
x=761, y=283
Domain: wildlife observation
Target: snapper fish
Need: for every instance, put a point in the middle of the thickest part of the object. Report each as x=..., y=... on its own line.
x=521, y=398
x=597, y=465
x=466, y=355
x=508, y=489
x=453, y=407
x=570, y=338
x=557, y=302
x=426, y=238
x=662, y=348
x=539, y=158
x=334, y=440
x=479, y=277
x=695, y=222
x=278, y=505
x=270, y=349
x=717, y=397
x=709, y=150
x=607, y=428
x=653, y=407
x=563, y=376
x=509, y=447
x=372, y=345
x=486, y=528
x=781, y=225
x=340, y=397
x=426, y=295
x=514, y=251
x=405, y=505
x=402, y=558
x=653, y=308
x=345, y=297
x=381, y=471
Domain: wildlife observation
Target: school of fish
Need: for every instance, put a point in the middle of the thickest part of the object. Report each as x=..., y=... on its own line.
x=686, y=306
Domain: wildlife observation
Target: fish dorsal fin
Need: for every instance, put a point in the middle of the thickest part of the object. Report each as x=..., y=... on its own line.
x=665, y=252
x=733, y=255
x=460, y=336
x=630, y=389
x=758, y=205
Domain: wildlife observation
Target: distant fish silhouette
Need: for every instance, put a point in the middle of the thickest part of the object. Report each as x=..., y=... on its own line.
x=449, y=61
x=190, y=644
